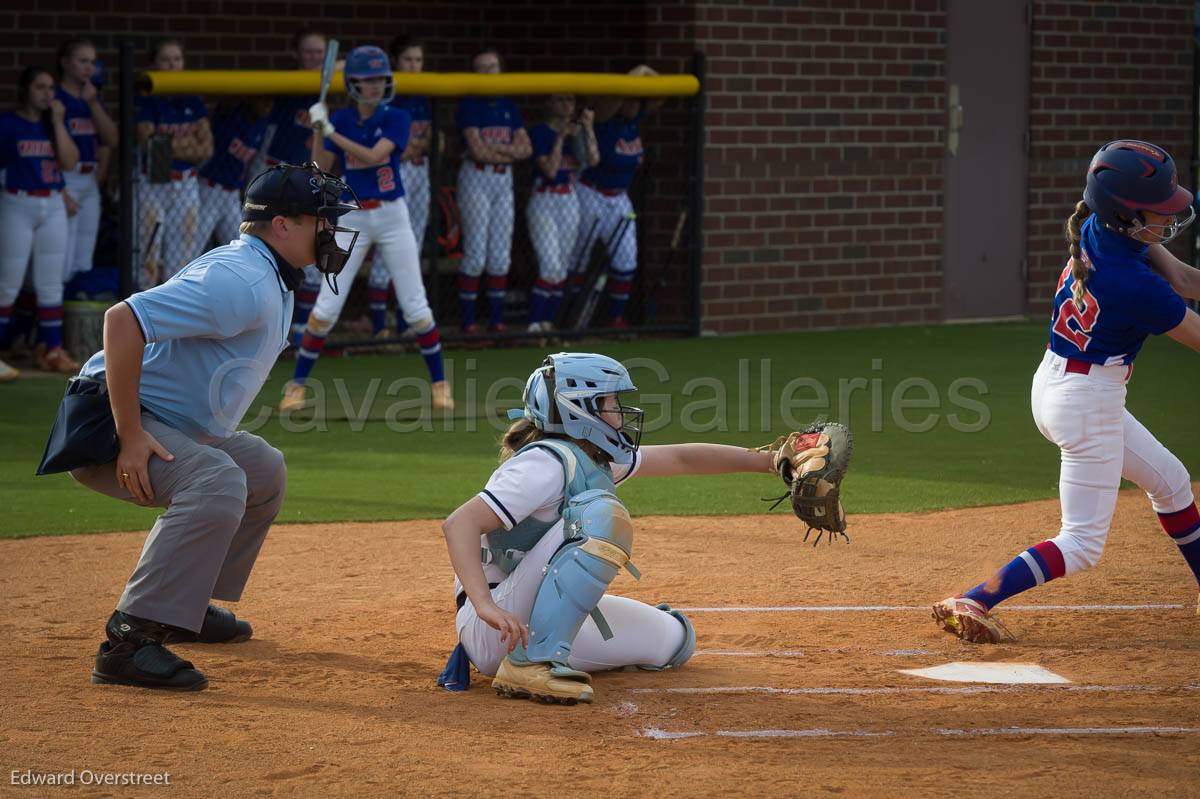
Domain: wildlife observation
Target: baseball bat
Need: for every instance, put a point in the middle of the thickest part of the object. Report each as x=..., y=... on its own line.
x=597, y=290
x=657, y=286
x=327, y=68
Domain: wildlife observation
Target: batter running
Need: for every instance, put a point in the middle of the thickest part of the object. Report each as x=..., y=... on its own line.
x=1119, y=286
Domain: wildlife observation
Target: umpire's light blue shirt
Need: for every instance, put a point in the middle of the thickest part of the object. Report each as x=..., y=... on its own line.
x=213, y=332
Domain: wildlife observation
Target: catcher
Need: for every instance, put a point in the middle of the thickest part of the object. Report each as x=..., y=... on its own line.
x=535, y=550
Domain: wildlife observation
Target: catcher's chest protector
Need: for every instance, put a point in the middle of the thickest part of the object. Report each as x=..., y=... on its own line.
x=506, y=548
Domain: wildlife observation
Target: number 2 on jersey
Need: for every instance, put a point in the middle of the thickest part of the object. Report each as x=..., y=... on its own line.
x=1084, y=319
x=385, y=178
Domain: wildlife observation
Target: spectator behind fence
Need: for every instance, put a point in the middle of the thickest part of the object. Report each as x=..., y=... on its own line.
x=175, y=137
x=562, y=145
x=289, y=132
x=237, y=134
x=605, y=210
x=408, y=54
x=35, y=149
x=90, y=127
x=493, y=137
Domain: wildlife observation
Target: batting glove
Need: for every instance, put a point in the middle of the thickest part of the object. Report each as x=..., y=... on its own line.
x=318, y=117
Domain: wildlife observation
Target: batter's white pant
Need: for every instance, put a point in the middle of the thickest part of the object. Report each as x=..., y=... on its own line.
x=220, y=211
x=82, y=228
x=36, y=225
x=599, y=218
x=416, y=196
x=643, y=635
x=388, y=228
x=485, y=203
x=1101, y=442
x=173, y=209
x=553, y=221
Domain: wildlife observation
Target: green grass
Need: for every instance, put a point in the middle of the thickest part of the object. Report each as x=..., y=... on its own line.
x=350, y=465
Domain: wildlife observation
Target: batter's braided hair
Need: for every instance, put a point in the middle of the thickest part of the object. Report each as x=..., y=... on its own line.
x=1079, y=269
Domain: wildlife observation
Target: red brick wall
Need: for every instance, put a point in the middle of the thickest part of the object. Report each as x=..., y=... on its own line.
x=1100, y=71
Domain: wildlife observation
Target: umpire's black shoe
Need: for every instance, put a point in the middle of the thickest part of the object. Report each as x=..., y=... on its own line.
x=220, y=627
x=134, y=655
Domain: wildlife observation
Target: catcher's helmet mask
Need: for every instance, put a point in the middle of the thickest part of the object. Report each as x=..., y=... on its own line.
x=1128, y=177
x=291, y=191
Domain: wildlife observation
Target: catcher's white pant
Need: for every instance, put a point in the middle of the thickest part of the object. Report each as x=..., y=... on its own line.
x=220, y=211
x=388, y=228
x=600, y=215
x=416, y=196
x=553, y=226
x=82, y=228
x=1101, y=442
x=643, y=635
x=485, y=203
x=37, y=226
x=173, y=210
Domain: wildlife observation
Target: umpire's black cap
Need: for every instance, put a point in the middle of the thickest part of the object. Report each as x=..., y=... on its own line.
x=290, y=190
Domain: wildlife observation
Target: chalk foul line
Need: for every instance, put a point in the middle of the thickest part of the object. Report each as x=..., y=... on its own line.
x=898, y=608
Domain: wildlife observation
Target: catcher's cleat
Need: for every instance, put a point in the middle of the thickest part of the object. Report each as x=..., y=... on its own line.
x=293, y=397
x=970, y=621
x=545, y=682
x=442, y=396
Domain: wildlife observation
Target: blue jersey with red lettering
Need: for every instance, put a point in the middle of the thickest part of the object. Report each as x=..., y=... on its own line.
x=79, y=123
x=289, y=144
x=1125, y=301
x=173, y=116
x=542, y=138
x=419, y=110
x=497, y=119
x=236, y=140
x=620, y=141
x=379, y=181
x=27, y=155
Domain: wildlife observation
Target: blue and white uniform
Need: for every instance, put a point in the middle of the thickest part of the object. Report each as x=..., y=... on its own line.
x=236, y=139
x=170, y=211
x=291, y=131
x=383, y=222
x=83, y=227
x=604, y=204
x=553, y=218
x=485, y=201
x=34, y=220
x=212, y=334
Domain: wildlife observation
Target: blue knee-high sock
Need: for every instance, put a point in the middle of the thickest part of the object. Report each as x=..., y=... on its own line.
x=24, y=312
x=377, y=303
x=5, y=336
x=468, y=295
x=619, y=286
x=497, y=287
x=1037, y=565
x=554, y=302
x=1184, y=529
x=539, y=299
x=310, y=350
x=50, y=326
x=431, y=350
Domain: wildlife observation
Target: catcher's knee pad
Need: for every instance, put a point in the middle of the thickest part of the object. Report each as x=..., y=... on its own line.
x=318, y=326
x=599, y=541
x=685, y=650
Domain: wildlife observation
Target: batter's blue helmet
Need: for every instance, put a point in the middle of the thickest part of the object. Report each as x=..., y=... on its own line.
x=1127, y=176
x=368, y=62
x=562, y=396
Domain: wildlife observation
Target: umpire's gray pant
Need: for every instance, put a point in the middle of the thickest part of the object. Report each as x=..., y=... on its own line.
x=220, y=500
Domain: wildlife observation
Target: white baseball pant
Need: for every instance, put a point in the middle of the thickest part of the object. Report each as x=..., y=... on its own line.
x=485, y=202
x=416, y=196
x=553, y=221
x=174, y=208
x=602, y=215
x=220, y=211
x=82, y=228
x=37, y=226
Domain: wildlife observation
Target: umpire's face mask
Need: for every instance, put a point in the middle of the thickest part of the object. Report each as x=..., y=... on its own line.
x=333, y=248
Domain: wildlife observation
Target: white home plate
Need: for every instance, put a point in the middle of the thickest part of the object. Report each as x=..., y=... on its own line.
x=1008, y=673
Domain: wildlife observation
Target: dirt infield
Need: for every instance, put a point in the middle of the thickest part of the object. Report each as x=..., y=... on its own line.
x=335, y=695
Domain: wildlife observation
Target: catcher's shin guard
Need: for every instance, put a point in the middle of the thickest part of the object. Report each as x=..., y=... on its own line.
x=599, y=541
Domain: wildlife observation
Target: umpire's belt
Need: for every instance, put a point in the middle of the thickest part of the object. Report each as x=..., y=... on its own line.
x=84, y=433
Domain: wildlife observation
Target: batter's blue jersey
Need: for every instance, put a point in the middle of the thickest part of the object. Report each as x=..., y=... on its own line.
x=27, y=155
x=79, y=123
x=236, y=140
x=497, y=119
x=173, y=116
x=620, y=142
x=289, y=144
x=542, y=138
x=1124, y=301
x=419, y=110
x=372, y=181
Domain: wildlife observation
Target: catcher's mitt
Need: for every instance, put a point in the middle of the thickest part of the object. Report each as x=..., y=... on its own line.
x=812, y=463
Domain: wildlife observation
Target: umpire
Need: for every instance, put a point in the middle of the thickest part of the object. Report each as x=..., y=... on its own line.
x=181, y=364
